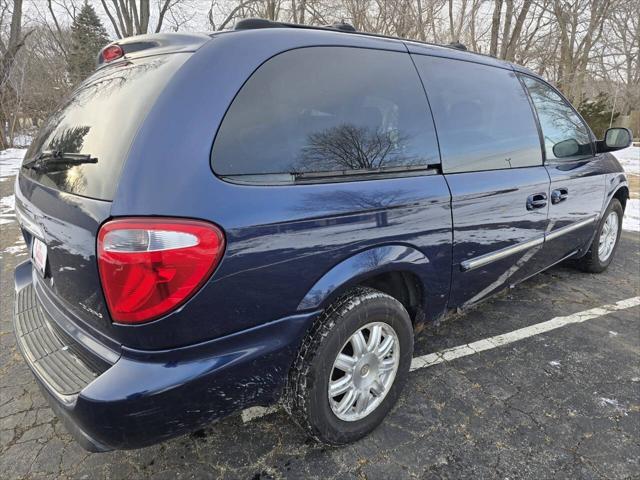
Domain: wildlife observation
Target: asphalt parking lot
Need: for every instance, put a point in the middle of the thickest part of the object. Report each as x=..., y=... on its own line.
x=561, y=404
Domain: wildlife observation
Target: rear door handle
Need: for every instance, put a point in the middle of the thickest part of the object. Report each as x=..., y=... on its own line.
x=537, y=200
x=559, y=195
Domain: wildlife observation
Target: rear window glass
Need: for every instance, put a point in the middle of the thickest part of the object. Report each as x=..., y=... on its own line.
x=327, y=109
x=100, y=119
x=483, y=116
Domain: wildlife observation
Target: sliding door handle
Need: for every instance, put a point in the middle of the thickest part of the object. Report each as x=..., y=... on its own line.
x=559, y=195
x=537, y=200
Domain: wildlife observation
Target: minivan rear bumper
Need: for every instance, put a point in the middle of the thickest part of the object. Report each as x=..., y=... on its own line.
x=149, y=396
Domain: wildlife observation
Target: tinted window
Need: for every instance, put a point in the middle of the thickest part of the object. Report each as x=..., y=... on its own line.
x=482, y=114
x=327, y=109
x=101, y=119
x=565, y=135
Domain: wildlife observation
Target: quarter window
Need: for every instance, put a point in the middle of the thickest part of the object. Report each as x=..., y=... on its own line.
x=336, y=110
x=482, y=114
x=565, y=135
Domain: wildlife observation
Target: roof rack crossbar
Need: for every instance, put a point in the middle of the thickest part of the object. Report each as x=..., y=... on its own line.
x=255, y=23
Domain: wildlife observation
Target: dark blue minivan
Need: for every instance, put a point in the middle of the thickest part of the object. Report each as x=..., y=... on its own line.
x=267, y=214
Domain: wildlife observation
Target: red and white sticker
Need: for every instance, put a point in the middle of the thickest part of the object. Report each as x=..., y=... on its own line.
x=39, y=254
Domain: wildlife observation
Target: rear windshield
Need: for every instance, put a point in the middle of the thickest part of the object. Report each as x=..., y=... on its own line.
x=100, y=120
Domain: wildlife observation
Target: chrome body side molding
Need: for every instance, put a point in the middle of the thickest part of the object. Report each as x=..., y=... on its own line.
x=488, y=258
x=570, y=228
x=500, y=254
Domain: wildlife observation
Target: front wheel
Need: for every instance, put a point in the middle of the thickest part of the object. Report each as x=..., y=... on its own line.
x=352, y=367
x=605, y=242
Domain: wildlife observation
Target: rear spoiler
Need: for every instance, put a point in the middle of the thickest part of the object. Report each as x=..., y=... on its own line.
x=154, y=44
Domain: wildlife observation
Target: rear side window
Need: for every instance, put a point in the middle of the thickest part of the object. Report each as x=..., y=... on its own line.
x=482, y=114
x=565, y=135
x=100, y=119
x=329, y=111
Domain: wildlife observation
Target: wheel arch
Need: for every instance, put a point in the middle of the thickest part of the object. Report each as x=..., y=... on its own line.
x=396, y=270
x=622, y=194
x=618, y=188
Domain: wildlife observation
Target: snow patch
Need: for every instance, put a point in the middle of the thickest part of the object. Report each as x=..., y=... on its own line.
x=7, y=206
x=10, y=161
x=22, y=140
x=629, y=158
x=631, y=220
x=18, y=248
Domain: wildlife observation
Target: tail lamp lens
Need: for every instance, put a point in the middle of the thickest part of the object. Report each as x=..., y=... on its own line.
x=149, y=267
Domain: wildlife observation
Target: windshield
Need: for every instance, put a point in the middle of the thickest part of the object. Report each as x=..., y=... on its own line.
x=99, y=120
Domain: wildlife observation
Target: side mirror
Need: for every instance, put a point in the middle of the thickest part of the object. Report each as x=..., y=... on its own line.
x=615, y=139
x=566, y=148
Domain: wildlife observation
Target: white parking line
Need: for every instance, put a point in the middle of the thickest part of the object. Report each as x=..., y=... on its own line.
x=526, y=332
x=488, y=343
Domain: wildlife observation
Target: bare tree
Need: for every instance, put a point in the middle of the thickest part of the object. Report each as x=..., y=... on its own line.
x=581, y=25
x=243, y=9
x=619, y=57
x=69, y=11
x=10, y=48
x=131, y=17
x=512, y=39
x=495, y=27
x=8, y=51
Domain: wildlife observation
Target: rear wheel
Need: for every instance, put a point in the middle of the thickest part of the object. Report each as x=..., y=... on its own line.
x=352, y=367
x=605, y=243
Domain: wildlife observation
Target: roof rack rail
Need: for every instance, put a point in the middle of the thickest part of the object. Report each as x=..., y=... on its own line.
x=254, y=23
x=457, y=45
x=344, y=26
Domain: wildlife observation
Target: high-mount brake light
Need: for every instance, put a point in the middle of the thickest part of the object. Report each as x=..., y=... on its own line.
x=112, y=52
x=150, y=266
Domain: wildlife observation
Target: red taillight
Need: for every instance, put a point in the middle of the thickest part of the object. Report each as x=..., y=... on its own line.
x=149, y=266
x=112, y=52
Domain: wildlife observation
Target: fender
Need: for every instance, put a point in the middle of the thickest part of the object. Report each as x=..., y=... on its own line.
x=361, y=266
x=615, y=181
x=615, y=178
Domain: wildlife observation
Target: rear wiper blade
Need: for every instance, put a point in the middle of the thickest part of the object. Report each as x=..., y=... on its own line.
x=50, y=159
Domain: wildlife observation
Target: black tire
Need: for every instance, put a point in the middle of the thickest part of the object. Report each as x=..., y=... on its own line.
x=591, y=262
x=307, y=399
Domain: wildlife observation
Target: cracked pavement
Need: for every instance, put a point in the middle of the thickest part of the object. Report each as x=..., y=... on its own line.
x=562, y=404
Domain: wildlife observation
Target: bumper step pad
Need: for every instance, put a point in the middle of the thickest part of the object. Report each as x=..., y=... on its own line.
x=55, y=356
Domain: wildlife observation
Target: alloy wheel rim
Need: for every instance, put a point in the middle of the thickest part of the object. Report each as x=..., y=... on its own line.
x=608, y=237
x=363, y=371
